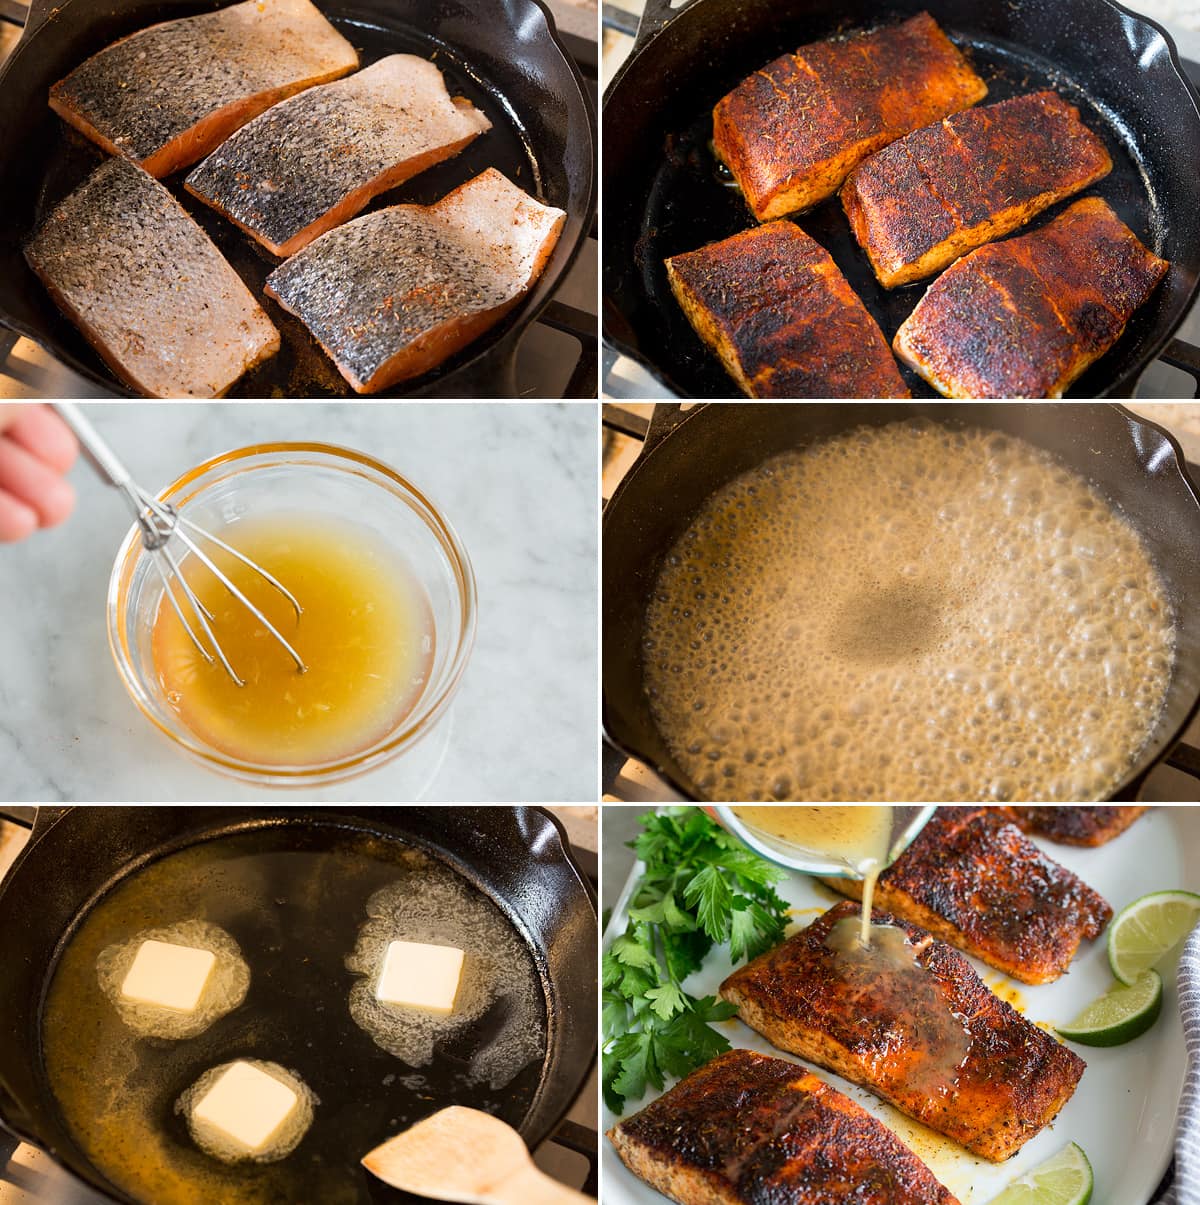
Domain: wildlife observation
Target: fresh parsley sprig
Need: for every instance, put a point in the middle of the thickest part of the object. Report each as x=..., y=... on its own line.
x=702, y=887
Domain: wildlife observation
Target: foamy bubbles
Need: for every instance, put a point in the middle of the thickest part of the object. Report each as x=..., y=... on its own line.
x=499, y=996
x=908, y=613
x=225, y=988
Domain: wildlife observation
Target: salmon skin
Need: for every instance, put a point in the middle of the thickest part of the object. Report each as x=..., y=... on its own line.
x=791, y=132
x=396, y=292
x=782, y=318
x=1079, y=824
x=167, y=95
x=974, y=880
x=932, y=196
x=314, y=161
x=128, y=265
x=747, y=1129
x=1026, y=317
x=933, y=1041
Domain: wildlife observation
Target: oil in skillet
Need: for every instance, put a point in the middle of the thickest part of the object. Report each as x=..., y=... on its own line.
x=365, y=633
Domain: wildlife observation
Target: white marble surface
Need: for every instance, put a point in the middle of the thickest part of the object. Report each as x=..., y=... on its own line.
x=519, y=483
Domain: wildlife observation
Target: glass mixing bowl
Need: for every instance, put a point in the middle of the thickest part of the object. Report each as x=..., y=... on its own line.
x=275, y=479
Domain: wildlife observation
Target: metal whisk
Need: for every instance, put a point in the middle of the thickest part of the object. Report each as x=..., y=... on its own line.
x=160, y=523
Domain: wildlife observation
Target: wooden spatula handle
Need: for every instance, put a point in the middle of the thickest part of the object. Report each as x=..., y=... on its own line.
x=531, y=1186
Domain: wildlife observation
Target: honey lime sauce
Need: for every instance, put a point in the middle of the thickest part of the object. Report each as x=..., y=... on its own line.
x=907, y=613
x=365, y=634
x=858, y=836
x=294, y=898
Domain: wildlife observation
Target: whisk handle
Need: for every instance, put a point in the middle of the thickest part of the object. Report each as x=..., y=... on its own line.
x=101, y=457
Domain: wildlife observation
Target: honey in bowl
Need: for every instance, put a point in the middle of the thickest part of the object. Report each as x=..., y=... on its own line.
x=365, y=634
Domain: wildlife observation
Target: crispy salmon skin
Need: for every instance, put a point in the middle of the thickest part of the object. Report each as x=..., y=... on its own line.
x=792, y=131
x=1024, y=318
x=782, y=318
x=1079, y=824
x=394, y=293
x=974, y=880
x=147, y=287
x=927, y=1037
x=314, y=161
x=169, y=94
x=932, y=196
x=747, y=1129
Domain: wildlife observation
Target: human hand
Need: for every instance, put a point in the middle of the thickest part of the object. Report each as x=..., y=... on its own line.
x=36, y=450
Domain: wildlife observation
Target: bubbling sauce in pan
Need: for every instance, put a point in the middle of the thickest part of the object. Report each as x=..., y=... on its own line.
x=908, y=613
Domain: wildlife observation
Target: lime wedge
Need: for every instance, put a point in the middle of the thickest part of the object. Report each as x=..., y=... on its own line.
x=1147, y=929
x=1121, y=1015
x=1064, y=1179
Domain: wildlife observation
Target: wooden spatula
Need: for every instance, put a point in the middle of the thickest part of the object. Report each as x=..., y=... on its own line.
x=460, y=1154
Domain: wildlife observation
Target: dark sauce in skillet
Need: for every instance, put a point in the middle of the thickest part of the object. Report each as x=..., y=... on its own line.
x=295, y=901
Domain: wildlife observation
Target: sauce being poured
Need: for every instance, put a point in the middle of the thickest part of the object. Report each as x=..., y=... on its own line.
x=860, y=837
x=366, y=635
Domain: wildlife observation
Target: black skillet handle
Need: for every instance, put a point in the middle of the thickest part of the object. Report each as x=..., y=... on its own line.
x=1185, y=757
x=582, y=1141
x=1186, y=358
x=40, y=11
x=655, y=16
x=13, y=1119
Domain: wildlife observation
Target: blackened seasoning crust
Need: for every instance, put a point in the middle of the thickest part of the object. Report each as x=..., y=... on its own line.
x=167, y=95
x=747, y=1129
x=128, y=265
x=314, y=161
x=393, y=293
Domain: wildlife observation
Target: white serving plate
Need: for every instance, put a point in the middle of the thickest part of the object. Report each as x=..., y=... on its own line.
x=1123, y=1111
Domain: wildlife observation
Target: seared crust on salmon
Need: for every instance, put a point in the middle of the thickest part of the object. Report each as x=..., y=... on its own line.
x=782, y=318
x=747, y=1129
x=314, y=161
x=932, y=196
x=1026, y=317
x=889, y=1033
x=167, y=95
x=393, y=293
x=1078, y=824
x=791, y=132
x=974, y=880
x=147, y=287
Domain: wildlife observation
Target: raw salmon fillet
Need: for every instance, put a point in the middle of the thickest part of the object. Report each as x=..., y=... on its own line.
x=974, y=880
x=396, y=292
x=1002, y=1081
x=932, y=196
x=791, y=132
x=747, y=1129
x=782, y=318
x=1026, y=317
x=128, y=265
x=167, y=95
x=1079, y=824
x=314, y=161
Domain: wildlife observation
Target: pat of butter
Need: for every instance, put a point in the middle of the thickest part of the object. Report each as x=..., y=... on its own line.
x=168, y=975
x=246, y=1105
x=420, y=976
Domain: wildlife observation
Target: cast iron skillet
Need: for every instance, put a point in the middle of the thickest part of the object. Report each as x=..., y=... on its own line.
x=690, y=455
x=516, y=856
x=503, y=55
x=663, y=193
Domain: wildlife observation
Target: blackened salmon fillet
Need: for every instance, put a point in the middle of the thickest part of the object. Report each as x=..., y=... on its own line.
x=782, y=318
x=747, y=1129
x=147, y=287
x=930, y=1038
x=974, y=880
x=932, y=196
x=396, y=292
x=1026, y=317
x=167, y=95
x=792, y=131
x=314, y=161
x=1078, y=824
